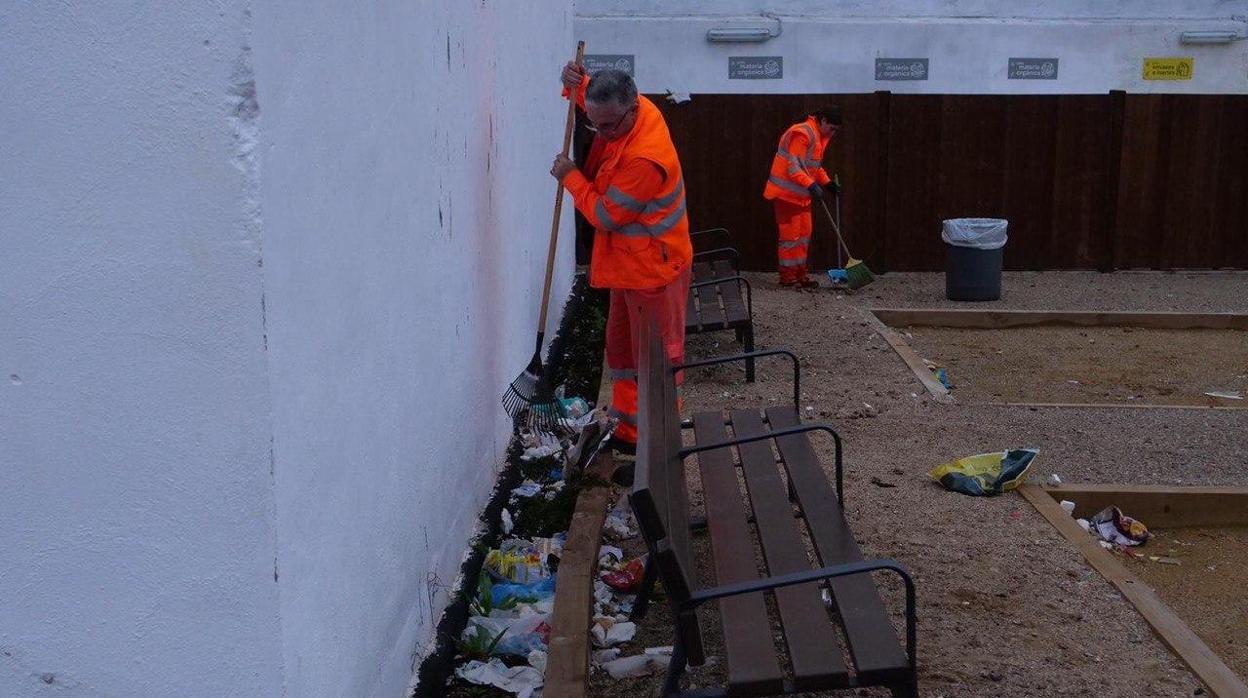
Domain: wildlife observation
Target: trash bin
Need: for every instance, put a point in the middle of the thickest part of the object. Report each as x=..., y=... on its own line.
x=973, y=251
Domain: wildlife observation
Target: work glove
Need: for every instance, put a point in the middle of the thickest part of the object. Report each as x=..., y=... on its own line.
x=816, y=191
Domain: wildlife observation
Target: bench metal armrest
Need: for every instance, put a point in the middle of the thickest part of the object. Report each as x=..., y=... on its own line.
x=797, y=371
x=775, y=434
x=718, y=252
x=749, y=291
x=701, y=596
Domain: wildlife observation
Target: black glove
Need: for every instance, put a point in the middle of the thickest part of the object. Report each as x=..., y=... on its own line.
x=833, y=187
x=816, y=191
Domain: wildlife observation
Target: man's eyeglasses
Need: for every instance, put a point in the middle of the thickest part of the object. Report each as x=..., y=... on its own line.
x=598, y=128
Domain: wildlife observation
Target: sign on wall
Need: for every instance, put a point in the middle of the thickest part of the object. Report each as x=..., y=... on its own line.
x=901, y=68
x=602, y=61
x=1032, y=69
x=1172, y=68
x=755, y=67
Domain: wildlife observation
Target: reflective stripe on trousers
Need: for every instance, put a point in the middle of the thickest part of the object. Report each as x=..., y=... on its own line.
x=793, y=223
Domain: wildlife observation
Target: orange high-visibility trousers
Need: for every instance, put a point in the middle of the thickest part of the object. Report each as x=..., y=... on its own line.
x=794, y=223
x=667, y=303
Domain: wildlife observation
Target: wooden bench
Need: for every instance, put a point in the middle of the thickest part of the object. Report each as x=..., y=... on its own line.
x=784, y=493
x=715, y=300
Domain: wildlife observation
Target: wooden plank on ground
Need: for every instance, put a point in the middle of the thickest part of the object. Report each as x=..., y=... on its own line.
x=1207, y=666
x=750, y=653
x=1116, y=405
x=1159, y=506
x=938, y=391
x=567, y=668
x=997, y=319
x=877, y=653
x=813, y=649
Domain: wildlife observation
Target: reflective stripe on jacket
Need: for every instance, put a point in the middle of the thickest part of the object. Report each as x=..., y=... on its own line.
x=798, y=163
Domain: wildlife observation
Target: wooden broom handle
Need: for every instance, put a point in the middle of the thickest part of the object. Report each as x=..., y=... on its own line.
x=554, y=224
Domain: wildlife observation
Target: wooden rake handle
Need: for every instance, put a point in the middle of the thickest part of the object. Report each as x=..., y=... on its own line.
x=554, y=224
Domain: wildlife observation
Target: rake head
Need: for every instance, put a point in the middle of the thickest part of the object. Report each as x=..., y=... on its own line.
x=530, y=399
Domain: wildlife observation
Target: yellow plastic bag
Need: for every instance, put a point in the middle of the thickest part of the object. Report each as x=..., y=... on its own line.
x=986, y=474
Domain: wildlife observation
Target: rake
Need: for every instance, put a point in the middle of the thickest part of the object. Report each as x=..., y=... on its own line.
x=531, y=398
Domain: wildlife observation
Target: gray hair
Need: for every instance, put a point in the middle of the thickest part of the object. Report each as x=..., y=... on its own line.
x=609, y=85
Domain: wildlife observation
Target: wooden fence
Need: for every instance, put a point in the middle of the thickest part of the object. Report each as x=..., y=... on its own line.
x=1106, y=182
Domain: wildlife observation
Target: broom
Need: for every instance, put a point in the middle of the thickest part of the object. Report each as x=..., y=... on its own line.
x=857, y=274
x=531, y=393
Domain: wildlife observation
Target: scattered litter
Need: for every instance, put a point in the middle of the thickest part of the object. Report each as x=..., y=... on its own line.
x=515, y=635
x=519, y=561
x=609, y=633
x=520, y=680
x=528, y=488
x=537, y=660
x=1068, y=505
x=881, y=483
x=663, y=651
x=628, y=578
x=632, y=667
x=1054, y=480
x=1115, y=528
x=508, y=524
x=1084, y=524
x=1227, y=394
x=523, y=593
x=1164, y=560
x=606, y=552
x=603, y=656
x=986, y=474
x=620, y=523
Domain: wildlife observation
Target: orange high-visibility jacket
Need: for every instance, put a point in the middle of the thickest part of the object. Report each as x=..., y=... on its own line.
x=798, y=163
x=636, y=203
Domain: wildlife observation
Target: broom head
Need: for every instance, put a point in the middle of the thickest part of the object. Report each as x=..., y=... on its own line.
x=857, y=274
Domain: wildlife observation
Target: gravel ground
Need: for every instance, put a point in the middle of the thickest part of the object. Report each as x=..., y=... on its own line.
x=1006, y=606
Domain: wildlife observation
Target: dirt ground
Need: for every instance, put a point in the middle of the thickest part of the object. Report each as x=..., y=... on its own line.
x=1006, y=607
x=1088, y=364
x=1206, y=587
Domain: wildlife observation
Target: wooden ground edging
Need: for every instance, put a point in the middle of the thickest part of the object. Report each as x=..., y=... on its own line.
x=1000, y=319
x=937, y=389
x=1160, y=506
x=1204, y=663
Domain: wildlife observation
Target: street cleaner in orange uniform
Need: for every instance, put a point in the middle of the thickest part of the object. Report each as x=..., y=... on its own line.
x=797, y=177
x=633, y=194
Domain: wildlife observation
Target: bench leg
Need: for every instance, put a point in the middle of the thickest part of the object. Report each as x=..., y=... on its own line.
x=749, y=347
x=676, y=667
x=642, y=602
x=909, y=690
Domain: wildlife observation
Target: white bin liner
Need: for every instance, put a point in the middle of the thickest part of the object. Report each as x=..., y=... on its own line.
x=979, y=233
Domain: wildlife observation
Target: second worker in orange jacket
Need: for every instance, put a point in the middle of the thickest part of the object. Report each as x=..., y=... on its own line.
x=633, y=193
x=797, y=176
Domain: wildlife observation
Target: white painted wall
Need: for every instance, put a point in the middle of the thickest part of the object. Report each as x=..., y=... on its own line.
x=137, y=523
x=407, y=207
x=264, y=277
x=832, y=47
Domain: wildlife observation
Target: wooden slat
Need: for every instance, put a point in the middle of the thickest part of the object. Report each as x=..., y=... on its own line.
x=997, y=319
x=567, y=669
x=1207, y=666
x=734, y=303
x=813, y=648
x=693, y=321
x=937, y=389
x=878, y=655
x=750, y=654
x=1159, y=505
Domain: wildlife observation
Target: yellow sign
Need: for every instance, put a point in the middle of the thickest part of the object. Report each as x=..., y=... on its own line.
x=1168, y=68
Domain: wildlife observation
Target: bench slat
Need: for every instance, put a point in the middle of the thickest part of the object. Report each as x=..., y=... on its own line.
x=693, y=321
x=812, y=640
x=751, y=656
x=734, y=303
x=877, y=653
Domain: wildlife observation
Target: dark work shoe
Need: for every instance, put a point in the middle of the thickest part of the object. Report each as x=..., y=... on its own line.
x=808, y=283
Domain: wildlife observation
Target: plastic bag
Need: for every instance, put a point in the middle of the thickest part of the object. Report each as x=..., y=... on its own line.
x=524, y=633
x=979, y=233
x=986, y=474
x=523, y=593
x=517, y=561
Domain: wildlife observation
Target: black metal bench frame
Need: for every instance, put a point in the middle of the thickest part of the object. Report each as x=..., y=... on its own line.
x=720, y=267
x=659, y=498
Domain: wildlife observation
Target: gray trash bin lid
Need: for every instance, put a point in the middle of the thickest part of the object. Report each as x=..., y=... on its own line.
x=979, y=233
